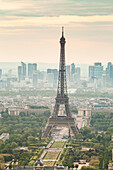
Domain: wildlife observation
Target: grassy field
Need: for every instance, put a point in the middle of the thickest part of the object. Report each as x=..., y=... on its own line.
x=58, y=145
x=48, y=163
x=51, y=155
x=4, y=154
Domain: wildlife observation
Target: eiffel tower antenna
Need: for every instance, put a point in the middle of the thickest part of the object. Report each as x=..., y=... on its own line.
x=62, y=31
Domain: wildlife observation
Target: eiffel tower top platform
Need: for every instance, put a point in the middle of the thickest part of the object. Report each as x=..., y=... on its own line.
x=62, y=99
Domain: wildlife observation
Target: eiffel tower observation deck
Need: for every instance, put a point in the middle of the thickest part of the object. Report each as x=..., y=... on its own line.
x=62, y=100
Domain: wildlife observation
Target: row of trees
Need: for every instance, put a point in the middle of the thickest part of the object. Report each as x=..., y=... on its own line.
x=91, y=137
x=25, y=131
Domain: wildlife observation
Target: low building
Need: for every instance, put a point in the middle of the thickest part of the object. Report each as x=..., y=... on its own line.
x=83, y=117
x=112, y=154
x=15, y=111
x=112, y=137
x=110, y=165
x=4, y=136
x=38, y=165
x=84, y=112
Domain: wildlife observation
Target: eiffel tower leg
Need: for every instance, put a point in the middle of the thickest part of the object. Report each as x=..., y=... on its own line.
x=47, y=132
x=74, y=130
x=56, y=109
x=69, y=135
x=67, y=109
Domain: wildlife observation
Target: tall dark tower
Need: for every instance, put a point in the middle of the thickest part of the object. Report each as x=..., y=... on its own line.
x=62, y=99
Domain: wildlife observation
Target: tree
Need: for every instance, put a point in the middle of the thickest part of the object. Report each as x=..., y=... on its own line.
x=87, y=168
x=79, y=136
x=22, y=114
x=76, y=166
x=13, y=145
x=1, y=163
x=40, y=134
x=10, y=165
x=98, y=147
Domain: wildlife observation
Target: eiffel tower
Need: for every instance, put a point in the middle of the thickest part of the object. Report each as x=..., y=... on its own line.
x=62, y=99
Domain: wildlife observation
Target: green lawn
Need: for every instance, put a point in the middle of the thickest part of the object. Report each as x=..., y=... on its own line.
x=51, y=155
x=48, y=163
x=5, y=154
x=58, y=145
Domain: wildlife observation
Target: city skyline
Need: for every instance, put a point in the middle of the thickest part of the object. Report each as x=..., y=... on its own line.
x=30, y=31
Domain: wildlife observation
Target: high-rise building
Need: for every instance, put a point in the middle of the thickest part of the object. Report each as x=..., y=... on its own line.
x=108, y=68
x=0, y=73
x=77, y=73
x=19, y=73
x=30, y=70
x=35, y=80
x=111, y=75
x=68, y=72
x=107, y=75
x=55, y=74
x=111, y=71
x=72, y=68
x=98, y=70
x=91, y=73
x=50, y=78
x=72, y=71
x=34, y=67
x=23, y=69
x=109, y=65
x=95, y=74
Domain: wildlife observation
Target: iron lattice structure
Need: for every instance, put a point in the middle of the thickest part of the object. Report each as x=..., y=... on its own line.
x=62, y=84
x=61, y=99
x=62, y=96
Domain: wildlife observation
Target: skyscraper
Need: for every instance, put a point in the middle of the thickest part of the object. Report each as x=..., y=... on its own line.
x=19, y=73
x=91, y=73
x=111, y=71
x=0, y=73
x=34, y=67
x=108, y=68
x=98, y=70
x=96, y=74
x=30, y=70
x=23, y=69
x=72, y=68
x=72, y=71
x=68, y=72
x=35, y=80
x=77, y=71
x=55, y=73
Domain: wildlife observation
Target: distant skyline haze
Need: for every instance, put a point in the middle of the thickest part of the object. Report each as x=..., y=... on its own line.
x=30, y=30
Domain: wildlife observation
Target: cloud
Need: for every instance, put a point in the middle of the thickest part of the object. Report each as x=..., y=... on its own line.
x=68, y=20
x=12, y=5
x=28, y=26
x=54, y=8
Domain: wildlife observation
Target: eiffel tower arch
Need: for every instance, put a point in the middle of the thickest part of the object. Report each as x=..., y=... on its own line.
x=55, y=120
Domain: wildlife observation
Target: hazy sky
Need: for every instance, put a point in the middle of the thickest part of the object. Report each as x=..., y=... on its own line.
x=30, y=30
